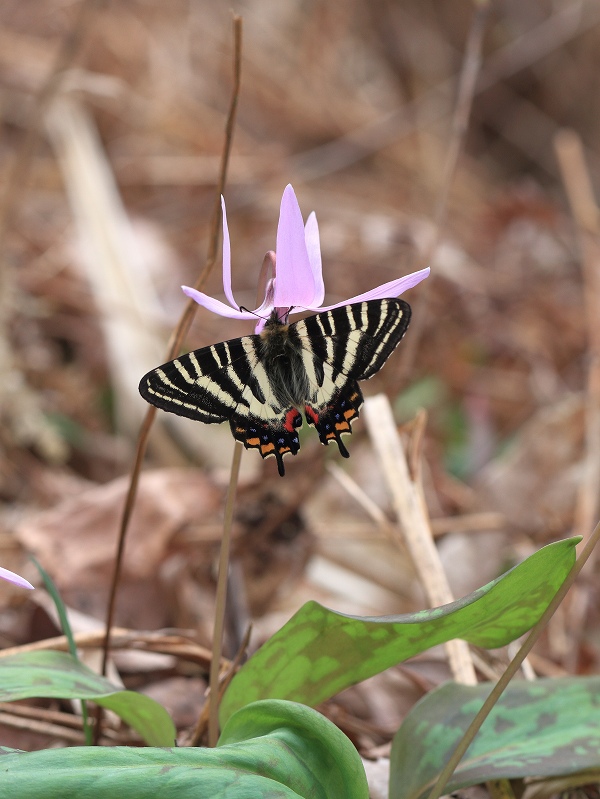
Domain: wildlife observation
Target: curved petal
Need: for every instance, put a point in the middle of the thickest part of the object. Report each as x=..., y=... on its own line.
x=216, y=306
x=226, y=258
x=313, y=248
x=294, y=281
x=267, y=306
x=392, y=289
x=5, y=574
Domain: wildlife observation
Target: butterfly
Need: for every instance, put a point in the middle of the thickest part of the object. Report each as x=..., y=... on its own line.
x=261, y=383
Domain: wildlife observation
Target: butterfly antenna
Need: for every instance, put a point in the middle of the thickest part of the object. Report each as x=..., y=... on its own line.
x=247, y=310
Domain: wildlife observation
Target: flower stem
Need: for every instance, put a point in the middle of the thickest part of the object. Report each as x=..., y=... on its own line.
x=213, y=717
x=175, y=343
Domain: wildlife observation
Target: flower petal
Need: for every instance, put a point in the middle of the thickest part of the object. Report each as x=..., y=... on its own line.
x=313, y=248
x=216, y=306
x=226, y=259
x=5, y=574
x=294, y=280
x=392, y=289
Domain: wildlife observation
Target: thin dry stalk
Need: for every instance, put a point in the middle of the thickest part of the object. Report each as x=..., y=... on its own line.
x=364, y=500
x=55, y=731
x=462, y=110
x=578, y=186
x=178, y=334
x=19, y=402
x=177, y=645
x=221, y=597
x=53, y=723
x=16, y=182
x=411, y=512
x=230, y=672
x=532, y=46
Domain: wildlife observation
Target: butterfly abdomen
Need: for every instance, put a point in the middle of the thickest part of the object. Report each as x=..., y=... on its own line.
x=280, y=352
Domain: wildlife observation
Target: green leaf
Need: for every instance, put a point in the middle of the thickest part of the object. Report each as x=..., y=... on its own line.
x=68, y=632
x=320, y=652
x=269, y=750
x=59, y=675
x=544, y=728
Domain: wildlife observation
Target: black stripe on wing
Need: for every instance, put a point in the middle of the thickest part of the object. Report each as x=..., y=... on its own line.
x=357, y=339
x=343, y=346
x=206, y=384
x=219, y=383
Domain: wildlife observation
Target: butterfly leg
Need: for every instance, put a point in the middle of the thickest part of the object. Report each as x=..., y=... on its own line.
x=271, y=439
x=333, y=419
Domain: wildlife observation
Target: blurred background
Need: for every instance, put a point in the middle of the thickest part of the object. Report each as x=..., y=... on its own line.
x=112, y=127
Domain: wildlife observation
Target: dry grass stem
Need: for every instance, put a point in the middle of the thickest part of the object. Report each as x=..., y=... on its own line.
x=467, y=82
x=181, y=646
x=227, y=673
x=359, y=496
x=178, y=334
x=578, y=186
x=19, y=405
x=411, y=513
x=221, y=597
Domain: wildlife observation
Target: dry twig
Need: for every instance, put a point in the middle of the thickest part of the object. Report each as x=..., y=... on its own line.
x=178, y=336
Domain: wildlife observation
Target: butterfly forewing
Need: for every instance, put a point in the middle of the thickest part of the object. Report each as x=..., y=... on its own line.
x=352, y=343
x=205, y=385
x=257, y=383
x=359, y=338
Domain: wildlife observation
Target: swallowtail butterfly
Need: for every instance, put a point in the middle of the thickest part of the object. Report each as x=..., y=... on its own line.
x=260, y=383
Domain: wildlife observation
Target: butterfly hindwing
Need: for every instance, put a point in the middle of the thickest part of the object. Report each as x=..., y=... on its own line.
x=259, y=382
x=260, y=420
x=333, y=417
x=274, y=437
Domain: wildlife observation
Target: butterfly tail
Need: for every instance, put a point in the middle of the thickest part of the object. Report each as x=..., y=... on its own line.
x=270, y=439
x=334, y=419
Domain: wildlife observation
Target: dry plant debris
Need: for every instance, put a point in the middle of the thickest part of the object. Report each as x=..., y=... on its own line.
x=353, y=104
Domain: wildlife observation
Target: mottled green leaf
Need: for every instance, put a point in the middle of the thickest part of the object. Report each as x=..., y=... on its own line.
x=320, y=652
x=59, y=675
x=269, y=750
x=537, y=729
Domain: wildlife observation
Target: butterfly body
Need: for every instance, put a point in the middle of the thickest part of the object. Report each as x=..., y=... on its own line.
x=262, y=384
x=280, y=351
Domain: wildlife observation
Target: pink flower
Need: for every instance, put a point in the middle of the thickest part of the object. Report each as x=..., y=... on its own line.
x=5, y=574
x=298, y=280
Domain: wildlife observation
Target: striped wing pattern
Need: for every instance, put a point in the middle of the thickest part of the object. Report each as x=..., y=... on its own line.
x=237, y=380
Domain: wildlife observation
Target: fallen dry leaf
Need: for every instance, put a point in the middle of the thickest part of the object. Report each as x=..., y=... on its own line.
x=76, y=540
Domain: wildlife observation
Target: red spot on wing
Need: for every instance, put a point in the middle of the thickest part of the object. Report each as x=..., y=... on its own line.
x=314, y=416
x=292, y=420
